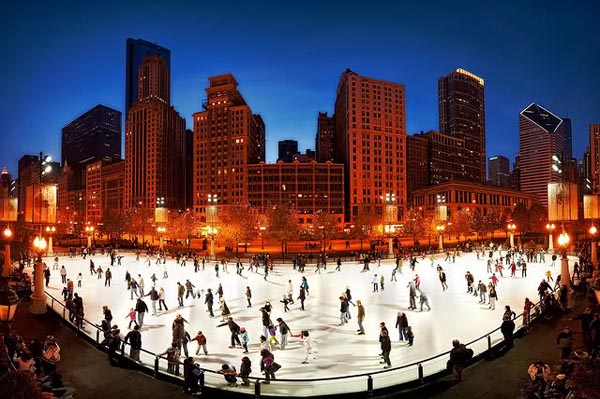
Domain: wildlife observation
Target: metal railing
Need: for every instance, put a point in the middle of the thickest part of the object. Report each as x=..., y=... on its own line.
x=408, y=375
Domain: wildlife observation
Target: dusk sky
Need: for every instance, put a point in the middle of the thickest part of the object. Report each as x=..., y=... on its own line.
x=61, y=58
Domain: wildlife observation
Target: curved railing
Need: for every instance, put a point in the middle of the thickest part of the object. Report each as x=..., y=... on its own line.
x=408, y=375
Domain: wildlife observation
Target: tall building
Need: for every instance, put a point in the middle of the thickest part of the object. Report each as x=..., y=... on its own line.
x=136, y=51
x=462, y=115
x=417, y=165
x=499, y=171
x=95, y=135
x=371, y=143
x=104, y=190
x=447, y=157
x=594, y=150
x=154, y=142
x=325, y=140
x=189, y=167
x=515, y=174
x=287, y=149
x=32, y=173
x=227, y=138
x=540, y=139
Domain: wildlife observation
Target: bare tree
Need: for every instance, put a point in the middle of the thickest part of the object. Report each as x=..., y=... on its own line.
x=326, y=227
x=414, y=225
x=363, y=225
x=182, y=226
x=282, y=224
x=238, y=224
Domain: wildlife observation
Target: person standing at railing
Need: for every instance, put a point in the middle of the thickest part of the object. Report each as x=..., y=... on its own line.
x=527, y=314
x=134, y=338
x=458, y=359
x=172, y=358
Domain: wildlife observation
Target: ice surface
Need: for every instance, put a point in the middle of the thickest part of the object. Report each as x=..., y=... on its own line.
x=341, y=351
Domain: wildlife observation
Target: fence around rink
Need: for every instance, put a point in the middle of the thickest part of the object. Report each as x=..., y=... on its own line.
x=413, y=374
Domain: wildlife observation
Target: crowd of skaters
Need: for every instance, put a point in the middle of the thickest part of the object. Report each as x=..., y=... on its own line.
x=268, y=340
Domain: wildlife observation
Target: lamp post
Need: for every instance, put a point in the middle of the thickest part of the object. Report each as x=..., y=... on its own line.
x=262, y=238
x=550, y=227
x=50, y=230
x=390, y=200
x=38, y=299
x=161, y=231
x=90, y=232
x=212, y=232
x=7, y=233
x=511, y=230
x=440, y=229
x=593, y=231
x=565, y=277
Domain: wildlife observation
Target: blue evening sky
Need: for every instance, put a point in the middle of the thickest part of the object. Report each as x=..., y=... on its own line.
x=61, y=58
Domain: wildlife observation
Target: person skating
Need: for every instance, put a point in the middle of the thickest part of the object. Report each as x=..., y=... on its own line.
x=284, y=330
x=249, y=297
x=99, y=272
x=339, y=264
x=141, y=308
x=402, y=325
x=412, y=295
x=360, y=317
x=470, y=280
x=107, y=277
x=268, y=365
x=79, y=280
x=482, y=291
x=442, y=277
x=180, y=293
x=304, y=284
x=141, y=284
x=134, y=338
x=290, y=292
x=245, y=370
x=493, y=297
x=244, y=338
x=234, y=328
x=301, y=297
x=386, y=348
x=47, y=275
x=381, y=282
x=424, y=301
x=131, y=316
x=209, y=300
x=220, y=291
x=154, y=296
x=410, y=335
x=285, y=302
x=225, y=312
x=375, y=282
x=308, y=344
x=161, y=299
x=189, y=288
x=200, y=338
x=63, y=274
x=343, y=310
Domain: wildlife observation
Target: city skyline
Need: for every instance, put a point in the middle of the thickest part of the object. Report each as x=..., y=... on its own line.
x=291, y=78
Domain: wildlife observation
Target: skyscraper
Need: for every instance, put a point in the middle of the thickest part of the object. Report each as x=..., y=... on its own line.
x=540, y=139
x=325, y=140
x=594, y=150
x=371, y=143
x=136, y=51
x=287, y=149
x=93, y=136
x=499, y=171
x=227, y=138
x=154, y=142
x=462, y=115
x=417, y=163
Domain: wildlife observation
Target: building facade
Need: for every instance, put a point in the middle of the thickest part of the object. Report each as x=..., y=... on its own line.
x=499, y=171
x=371, y=143
x=594, y=161
x=286, y=150
x=95, y=135
x=104, y=190
x=417, y=164
x=227, y=138
x=470, y=197
x=325, y=139
x=540, y=139
x=308, y=187
x=462, y=115
x=154, y=143
x=136, y=51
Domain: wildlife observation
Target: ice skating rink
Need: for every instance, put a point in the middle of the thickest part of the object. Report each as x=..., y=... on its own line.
x=341, y=351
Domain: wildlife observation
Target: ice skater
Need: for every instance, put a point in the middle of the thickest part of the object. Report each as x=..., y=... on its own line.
x=375, y=282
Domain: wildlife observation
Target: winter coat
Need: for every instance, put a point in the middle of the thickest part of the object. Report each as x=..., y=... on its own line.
x=141, y=306
x=233, y=327
x=134, y=338
x=361, y=312
x=386, y=344
x=200, y=338
x=401, y=321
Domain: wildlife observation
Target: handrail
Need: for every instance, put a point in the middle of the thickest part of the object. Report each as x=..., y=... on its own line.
x=341, y=377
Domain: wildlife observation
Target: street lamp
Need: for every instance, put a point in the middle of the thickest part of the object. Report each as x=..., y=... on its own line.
x=593, y=231
x=38, y=299
x=90, y=232
x=440, y=229
x=50, y=230
x=550, y=227
x=511, y=229
x=7, y=233
x=565, y=278
x=161, y=231
x=390, y=200
x=212, y=232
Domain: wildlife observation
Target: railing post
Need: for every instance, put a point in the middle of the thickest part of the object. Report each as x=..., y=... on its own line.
x=156, y=366
x=257, y=389
x=489, y=341
x=64, y=309
x=369, y=386
x=201, y=381
x=420, y=371
x=98, y=337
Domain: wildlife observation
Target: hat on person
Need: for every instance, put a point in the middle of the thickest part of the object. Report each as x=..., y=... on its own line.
x=50, y=338
x=243, y=329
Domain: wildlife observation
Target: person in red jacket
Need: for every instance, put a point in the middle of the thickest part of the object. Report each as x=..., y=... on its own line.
x=201, y=339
